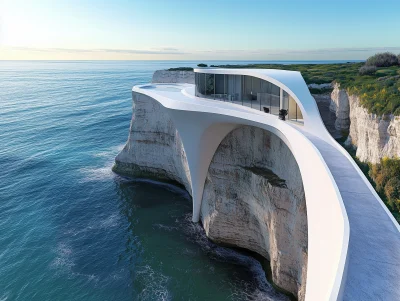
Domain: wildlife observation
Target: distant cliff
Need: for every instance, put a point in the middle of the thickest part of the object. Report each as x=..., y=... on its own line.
x=373, y=136
x=164, y=76
x=253, y=197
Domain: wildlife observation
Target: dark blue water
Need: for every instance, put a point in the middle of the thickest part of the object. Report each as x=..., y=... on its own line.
x=70, y=229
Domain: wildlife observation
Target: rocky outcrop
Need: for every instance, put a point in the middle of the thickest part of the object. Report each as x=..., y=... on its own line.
x=154, y=148
x=253, y=197
x=165, y=76
x=320, y=86
x=340, y=106
x=373, y=137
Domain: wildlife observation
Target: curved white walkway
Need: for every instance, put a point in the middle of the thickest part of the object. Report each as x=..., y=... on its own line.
x=350, y=232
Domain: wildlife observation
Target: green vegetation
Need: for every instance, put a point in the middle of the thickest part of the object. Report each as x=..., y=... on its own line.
x=202, y=65
x=384, y=177
x=180, y=69
x=385, y=59
x=367, y=70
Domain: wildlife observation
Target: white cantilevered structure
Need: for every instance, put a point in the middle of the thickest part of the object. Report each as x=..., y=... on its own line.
x=353, y=240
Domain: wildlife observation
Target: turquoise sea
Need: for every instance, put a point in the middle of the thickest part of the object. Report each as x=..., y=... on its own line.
x=70, y=229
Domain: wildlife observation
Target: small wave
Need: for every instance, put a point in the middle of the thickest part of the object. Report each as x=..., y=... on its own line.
x=164, y=227
x=64, y=263
x=95, y=174
x=111, y=152
x=64, y=259
x=4, y=297
x=111, y=221
x=103, y=173
x=155, y=285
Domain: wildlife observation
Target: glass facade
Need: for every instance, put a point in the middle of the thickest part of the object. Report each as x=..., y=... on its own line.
x=248, y=91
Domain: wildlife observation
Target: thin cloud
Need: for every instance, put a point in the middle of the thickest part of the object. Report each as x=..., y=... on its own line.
x=221, y=53
x=120, y=51
x=304, y=51
x=324, y=51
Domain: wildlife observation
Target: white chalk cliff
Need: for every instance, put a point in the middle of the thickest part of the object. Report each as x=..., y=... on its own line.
x=373, y=136
x=253, y=197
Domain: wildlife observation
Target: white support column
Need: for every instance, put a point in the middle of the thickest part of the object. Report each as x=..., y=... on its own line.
x=200, y=136
x=281, y=99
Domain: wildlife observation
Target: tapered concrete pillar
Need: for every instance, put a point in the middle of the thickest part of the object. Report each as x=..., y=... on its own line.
x=200, y=137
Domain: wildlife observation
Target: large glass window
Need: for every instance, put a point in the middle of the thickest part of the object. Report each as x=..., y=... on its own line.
x=249, y=91
x=197, y=84
x=294, y=112
x=234, y=88
x=247, y=96
x=210, y=85
x=255, y=93
x=285, y=101
x=200, y=84
x=269, y=101
x=275, y=99
x=220, y=86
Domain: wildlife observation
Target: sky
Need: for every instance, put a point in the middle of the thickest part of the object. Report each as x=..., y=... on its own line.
x=195, y=30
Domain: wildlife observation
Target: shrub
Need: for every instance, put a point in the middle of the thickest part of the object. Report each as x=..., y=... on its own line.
x=367, y=70
x=202, y=65
x=392, y=189
x=181, y=69
x=385, y=59
x=386, y=176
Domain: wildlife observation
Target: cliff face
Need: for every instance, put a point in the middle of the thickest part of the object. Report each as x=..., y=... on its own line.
x=373, y=136
x=340, y=106
x=154, y=148
x=253, y=197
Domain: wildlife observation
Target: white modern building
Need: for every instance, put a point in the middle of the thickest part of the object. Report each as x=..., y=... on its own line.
x=353, y=240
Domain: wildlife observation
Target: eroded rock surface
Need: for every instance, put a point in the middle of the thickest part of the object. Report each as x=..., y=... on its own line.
x=254, y=199
x=373, y=136
x=154, y=148
x=340, y=106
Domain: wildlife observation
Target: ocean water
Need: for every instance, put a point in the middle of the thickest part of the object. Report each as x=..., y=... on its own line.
x=70, y=229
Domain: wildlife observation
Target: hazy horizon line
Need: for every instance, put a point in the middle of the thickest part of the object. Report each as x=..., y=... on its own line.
x=191, y=60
